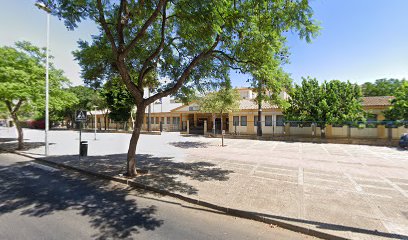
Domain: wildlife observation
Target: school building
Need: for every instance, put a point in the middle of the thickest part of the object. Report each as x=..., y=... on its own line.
x=188, y=118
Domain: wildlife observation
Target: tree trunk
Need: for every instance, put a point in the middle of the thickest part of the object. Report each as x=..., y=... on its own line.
x=213, y=117
x=104, y=121
x=323, y=131
x=13, y=113
x=131, y=155
x=19, y=132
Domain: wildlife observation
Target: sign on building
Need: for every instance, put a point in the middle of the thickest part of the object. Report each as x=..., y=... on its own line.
x=80, y=116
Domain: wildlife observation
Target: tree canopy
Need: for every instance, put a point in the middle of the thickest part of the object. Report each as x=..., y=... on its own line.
x=399, y=108
x=382, y=87
x=87, y=99
x=224, y=100
x=192, y=43
x=22, y=83
x=118, y=99
x=332, y=102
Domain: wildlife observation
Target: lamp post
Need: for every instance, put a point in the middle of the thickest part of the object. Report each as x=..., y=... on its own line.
x=47, y=10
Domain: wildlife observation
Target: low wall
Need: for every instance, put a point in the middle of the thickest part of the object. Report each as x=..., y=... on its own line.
x=359, y=141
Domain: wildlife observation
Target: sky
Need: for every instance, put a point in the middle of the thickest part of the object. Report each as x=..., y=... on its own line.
x=360, y=40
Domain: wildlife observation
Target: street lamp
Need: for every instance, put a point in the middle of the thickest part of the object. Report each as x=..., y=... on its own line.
x=47, y=10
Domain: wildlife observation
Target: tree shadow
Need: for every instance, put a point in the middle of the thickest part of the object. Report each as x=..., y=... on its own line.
x=37, y=193
x=12, y=146
x=189, y=144
x=335, y=227
x=164, y=172
x=2, y=140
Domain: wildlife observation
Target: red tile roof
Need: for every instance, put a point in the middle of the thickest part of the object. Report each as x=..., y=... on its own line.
x=251, y=104
x=377, y=101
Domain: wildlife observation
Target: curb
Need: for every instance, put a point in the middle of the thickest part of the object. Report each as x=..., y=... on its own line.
x=226, y=210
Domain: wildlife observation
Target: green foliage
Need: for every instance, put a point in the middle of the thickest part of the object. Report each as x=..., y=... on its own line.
x=118, y=100
x=87, y=99
x=382, y=87
x=329, y=103
x=22, y=80
x=222, y=101
x=269, y=84
x=199, y=42
x=3, y=111
x=399, y=108
x=193, y=43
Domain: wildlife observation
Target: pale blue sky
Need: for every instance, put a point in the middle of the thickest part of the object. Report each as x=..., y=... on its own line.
x=361, y=40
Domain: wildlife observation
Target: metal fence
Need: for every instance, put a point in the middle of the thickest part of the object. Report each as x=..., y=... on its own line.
x=369, y=129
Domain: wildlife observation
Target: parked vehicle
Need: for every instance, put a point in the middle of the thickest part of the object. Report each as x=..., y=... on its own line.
x=36, y=124
x=403, y=142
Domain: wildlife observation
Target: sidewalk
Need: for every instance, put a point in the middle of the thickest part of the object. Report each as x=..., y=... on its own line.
x=356, y=192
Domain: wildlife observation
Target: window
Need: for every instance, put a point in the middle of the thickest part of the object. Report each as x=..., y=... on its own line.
x=279, y=120
x=193, y=108
x=255, y=120
x=162, y=120
x=157, y=120
x=243, y=120
x=176, y=120
x=268, y=120
x=235, y=121
x=152, y=120
x=168, y=120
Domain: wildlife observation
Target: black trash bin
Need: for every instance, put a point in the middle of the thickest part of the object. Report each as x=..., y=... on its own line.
x=83, y=149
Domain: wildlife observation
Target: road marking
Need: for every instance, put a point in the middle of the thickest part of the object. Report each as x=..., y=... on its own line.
x=253, y=170
x=356, y=185
x=300, y=176
x=395, y=186
x=272, y=179
x=274, y=146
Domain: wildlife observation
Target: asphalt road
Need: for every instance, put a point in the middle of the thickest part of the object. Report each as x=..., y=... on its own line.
x=40, y=202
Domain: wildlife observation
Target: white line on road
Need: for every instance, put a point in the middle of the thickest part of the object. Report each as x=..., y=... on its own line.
x=300, y=176
x=356, y=185
x=395, y=186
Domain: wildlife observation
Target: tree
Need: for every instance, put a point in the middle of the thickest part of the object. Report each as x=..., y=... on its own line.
x=268, y=83
x=87, y=99
x=399, y=108
x=222, y=101
x=118, y=99
x=329, y=103
x=190, y=42
x=22, y=83
x=382, y=87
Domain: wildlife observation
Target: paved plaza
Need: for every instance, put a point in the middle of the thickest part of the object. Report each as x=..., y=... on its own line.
x=353, y=191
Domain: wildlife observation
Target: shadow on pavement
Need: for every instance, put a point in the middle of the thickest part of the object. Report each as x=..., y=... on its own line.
x=11, y=144
x=189, y=144
x=335, y=227
x=164, y=173
x=2, y=140
x=36, y=194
